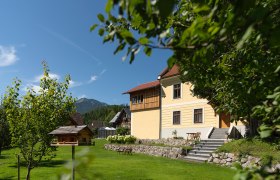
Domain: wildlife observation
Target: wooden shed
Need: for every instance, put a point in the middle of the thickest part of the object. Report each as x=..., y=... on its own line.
x=72, y=135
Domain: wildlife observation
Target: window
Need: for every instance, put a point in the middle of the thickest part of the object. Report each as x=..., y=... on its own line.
x=134, y=100
x=197, y=115
x=176, y=91
x=176, y=117
x=140, y=99
x=137, y=99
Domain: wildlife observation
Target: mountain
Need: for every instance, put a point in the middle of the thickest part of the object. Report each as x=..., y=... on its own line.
x=84, y=105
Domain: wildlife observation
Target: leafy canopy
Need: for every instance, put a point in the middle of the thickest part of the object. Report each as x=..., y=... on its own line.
x=35, y=115
x=229, y=50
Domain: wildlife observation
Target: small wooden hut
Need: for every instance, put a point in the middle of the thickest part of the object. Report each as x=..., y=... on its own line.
x=72, y=135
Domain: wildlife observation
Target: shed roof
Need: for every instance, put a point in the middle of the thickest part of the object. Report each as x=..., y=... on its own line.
x=143, y=86
x=68, y=130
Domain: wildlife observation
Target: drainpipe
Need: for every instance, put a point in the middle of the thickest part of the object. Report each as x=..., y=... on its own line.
x=160, y=108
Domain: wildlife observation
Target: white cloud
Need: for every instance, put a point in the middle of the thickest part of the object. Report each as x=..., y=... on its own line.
x=7, y=56
x=74, y=84
x=36, y=88
x=51, y=75
x=92, y=79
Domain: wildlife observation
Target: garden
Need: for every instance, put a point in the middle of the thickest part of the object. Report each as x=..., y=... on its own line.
x=94, y=162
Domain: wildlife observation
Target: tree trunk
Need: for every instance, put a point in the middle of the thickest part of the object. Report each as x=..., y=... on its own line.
x=28, y=172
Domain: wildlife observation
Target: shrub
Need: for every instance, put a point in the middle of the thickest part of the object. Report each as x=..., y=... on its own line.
x=128, y=139
x=122, y=130
x=254, y=147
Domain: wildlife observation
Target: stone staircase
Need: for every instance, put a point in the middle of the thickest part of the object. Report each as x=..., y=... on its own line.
x=201, y=152
x=219, y=133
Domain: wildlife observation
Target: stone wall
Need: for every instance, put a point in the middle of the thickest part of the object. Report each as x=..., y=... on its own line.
x=167, y=142
x=227, y=159
x=169, y=152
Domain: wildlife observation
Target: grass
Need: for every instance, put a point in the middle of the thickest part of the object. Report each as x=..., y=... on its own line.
x=254, y=147
x=111, y=165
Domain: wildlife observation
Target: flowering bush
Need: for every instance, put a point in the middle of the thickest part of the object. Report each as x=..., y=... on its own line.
x=128, y=139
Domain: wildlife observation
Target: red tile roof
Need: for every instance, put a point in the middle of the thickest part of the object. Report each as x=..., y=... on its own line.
x=170, y=72
x=143, y=86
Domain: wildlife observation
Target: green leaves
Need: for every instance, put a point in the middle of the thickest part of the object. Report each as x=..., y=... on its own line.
x=92, y=28
x=101, y=18
x=101, y=32
x=246, y=36
x=143, y=40
x=127, y=35
x=265, y=131
x=109, y=6
x=36, y=114
x=165, y=7
x=148, y=51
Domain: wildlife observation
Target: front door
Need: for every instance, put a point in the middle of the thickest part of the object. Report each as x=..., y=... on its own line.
x=224, y=120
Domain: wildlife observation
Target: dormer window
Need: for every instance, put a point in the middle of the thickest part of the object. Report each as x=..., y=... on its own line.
x=176, y=91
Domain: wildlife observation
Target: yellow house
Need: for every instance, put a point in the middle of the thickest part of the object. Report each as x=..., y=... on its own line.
x=167, y=105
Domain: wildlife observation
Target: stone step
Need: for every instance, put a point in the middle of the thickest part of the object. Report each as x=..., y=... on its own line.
x=210, y=143
x=206, y=149
x=207, y=146
x=217, y=137
x=202, y=151
x=195, y=159
x=199, y=155
x=213, y=140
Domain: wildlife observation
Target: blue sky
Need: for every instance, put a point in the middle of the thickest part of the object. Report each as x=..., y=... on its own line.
x=58, y=32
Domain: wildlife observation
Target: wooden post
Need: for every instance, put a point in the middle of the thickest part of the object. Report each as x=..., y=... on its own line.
x=73, y=162
x=18, y=163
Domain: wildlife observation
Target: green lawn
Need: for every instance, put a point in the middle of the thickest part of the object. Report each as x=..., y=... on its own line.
x=111, y=165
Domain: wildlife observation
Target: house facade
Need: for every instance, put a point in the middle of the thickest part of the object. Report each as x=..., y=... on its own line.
x=145, y=110
x=174, y=108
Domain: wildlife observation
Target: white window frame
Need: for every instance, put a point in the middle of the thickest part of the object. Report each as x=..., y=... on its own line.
x=180, y=91
x=173, y=118
x=202, y=115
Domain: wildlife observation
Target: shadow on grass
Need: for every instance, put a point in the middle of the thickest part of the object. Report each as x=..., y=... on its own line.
x=8, y=178
x=52, y=163
x=4, y=157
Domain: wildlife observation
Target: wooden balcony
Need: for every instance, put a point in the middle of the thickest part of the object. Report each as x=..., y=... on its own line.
x=151, y=100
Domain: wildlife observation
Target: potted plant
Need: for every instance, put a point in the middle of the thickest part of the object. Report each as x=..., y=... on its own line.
x=174, y=134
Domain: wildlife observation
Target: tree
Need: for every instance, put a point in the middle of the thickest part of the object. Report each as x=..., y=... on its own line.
x=34, y=115
x=5, y=139
x=229, y=50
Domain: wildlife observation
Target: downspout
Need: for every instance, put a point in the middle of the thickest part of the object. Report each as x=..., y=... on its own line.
x=160, y=107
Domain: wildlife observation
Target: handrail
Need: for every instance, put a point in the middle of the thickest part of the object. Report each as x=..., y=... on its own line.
x=209, y=132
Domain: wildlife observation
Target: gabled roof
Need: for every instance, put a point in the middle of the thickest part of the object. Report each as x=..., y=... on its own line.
x=77, y=119
x=143, y=86
x=170, y=72
x=69, y=130
x=115, y=118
